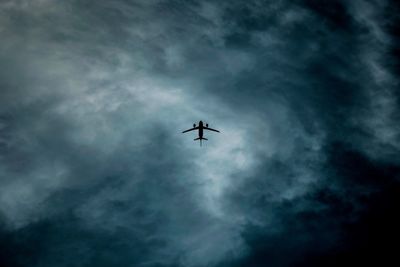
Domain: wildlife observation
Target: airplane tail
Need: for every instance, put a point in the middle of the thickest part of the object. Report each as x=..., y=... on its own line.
x=200, y=139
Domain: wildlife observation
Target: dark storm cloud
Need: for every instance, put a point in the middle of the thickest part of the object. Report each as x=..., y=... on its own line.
x=94, y=95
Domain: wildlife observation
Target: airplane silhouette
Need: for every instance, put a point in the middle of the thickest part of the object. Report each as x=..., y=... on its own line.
x=201, y=127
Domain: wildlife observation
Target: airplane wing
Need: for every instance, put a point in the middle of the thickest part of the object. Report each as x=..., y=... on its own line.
x=210, y=129
x=194, y=128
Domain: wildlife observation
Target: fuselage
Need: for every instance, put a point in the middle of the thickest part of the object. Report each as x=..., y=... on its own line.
x=200, y=129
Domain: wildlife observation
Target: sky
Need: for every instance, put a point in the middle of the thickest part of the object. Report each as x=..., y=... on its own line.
x=95, y=170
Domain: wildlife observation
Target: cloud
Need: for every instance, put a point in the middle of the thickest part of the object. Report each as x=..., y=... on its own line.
x=94, y=96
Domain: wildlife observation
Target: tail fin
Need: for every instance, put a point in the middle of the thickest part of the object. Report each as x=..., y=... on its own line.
x=198, y=138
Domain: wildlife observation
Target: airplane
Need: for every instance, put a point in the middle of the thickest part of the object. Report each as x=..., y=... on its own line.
x=201, y=127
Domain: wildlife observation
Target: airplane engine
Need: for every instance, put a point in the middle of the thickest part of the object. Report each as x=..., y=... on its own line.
x=194, y=125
